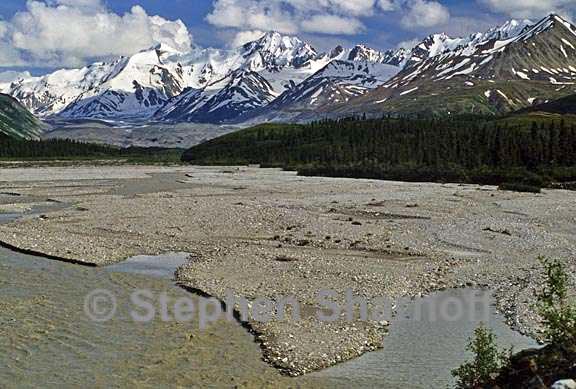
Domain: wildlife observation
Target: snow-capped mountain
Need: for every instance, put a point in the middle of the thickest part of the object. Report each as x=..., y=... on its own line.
x=138, y=86
x=333, y=78
x=259, y=72
x=241, y=92
x=336, y=83
x=437, y=44
x=143, y=85
x=128, y=87
x=504, y=69
x=390, y=57
x=275, y=52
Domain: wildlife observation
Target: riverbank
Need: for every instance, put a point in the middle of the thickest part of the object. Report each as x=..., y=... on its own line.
x=266, y=233
x=45, y=328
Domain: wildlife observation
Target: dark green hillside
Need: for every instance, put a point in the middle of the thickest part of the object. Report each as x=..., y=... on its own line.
x=563, y=106
x=464, y=149
x=441, y=98
x=16, y=121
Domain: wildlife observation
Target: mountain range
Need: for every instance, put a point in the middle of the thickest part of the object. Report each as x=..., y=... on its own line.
x=203, y=85
x=503, y=71
x=283, y=78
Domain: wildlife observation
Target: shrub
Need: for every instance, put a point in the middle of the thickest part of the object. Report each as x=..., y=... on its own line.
x=558, y=314
x=487, y=361
x=519, y=187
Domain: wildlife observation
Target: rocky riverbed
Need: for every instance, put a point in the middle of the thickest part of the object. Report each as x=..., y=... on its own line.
x=264, y=233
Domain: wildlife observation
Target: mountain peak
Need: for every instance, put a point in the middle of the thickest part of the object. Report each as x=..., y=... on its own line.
x=336, y=52
x=550, y=22
x=555, y=16
x=364, y=53
x=274, y=51
x=274, y=41
x=511, y=28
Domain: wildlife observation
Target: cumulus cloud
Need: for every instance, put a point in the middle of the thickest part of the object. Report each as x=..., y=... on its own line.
x=252, y=14
x=531, y=8
x=342, y=7
x=293, y=16
x=70, y=32
x=243, y=37
x=409, y=44
x=425, y=14
x=342, y=17
x=10, y=76
x=332, y=24
x=387, y=5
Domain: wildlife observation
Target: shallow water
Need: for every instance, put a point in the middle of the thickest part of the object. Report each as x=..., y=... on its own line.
x=427, y=340
x=43, y=327
x=151, y=266
x=47, y=339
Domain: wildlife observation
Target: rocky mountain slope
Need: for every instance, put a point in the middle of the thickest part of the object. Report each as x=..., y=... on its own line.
x=506, y=69
x=337, y=83
x=16, y=121
x=239, y=93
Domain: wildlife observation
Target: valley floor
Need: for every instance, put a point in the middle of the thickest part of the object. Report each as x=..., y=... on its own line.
x=267, y=233
x=139, y=134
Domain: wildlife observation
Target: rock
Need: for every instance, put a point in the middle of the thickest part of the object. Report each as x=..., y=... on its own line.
x=564, y=384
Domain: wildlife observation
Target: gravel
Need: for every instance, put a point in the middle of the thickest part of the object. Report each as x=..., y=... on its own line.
x=373, y=238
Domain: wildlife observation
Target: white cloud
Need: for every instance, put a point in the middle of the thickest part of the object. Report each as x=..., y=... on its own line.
x=425, y=14
x=409, y=44
x=531, y=8
x=9, y=56
x=292, y=16
x=252, y=14
x=341, y=7
x=243, y=37
x=332, y=24
x=387, y=5
x=70, y=32
x=10, y=76
x=353, y=7
x=341, y=17
x=462, y=26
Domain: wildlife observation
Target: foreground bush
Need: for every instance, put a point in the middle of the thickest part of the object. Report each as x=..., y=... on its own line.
x=487, y=361
x=535, y=368
x=554, y=306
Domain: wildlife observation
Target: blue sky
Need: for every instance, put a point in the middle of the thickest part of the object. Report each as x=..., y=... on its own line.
x=39, y=34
